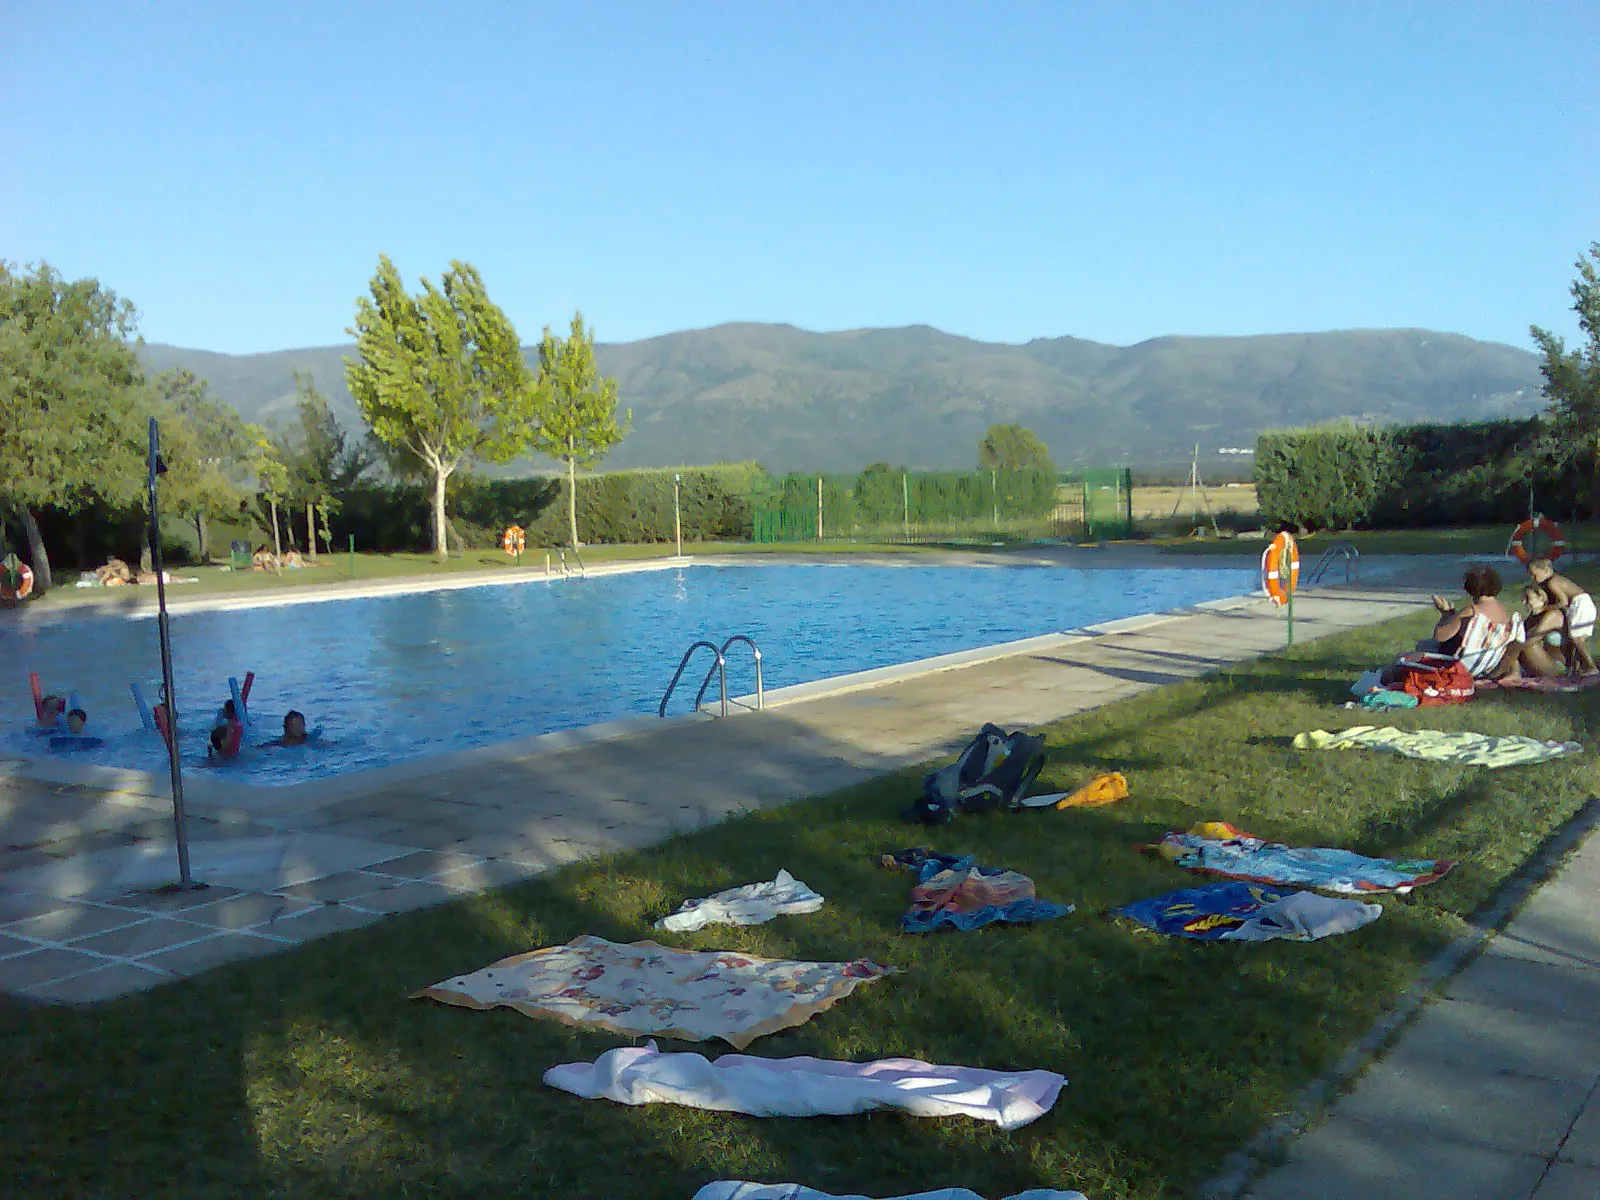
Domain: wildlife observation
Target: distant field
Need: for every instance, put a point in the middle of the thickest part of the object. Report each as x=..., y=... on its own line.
x=1150, y=502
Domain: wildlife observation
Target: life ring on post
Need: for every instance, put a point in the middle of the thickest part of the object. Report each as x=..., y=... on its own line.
x=513, y=541
x=1517, y=547
x=17, y=584
x=1280, y=568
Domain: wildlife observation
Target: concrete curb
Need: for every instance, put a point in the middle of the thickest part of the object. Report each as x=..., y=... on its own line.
x=1241, y=1169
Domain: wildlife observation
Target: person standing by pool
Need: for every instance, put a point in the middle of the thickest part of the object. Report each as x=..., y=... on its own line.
x=1577, y=608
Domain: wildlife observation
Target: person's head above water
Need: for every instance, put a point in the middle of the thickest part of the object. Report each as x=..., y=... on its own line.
x=219, y=740
x=294, y=727
x=1541, y=569
x=229, y=712
x=50, y=708
x=76, y=720
x=1481, y=582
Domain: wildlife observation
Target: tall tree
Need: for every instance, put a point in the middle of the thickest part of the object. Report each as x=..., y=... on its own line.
x=322, y=464
x=1012, y=448
x=208, y=449
x=69, y=398
x=441, y=376
x=1572, y=378
x=580, y=421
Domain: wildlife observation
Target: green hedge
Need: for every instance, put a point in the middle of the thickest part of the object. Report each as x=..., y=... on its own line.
x=613, y=507
x=1410, y=476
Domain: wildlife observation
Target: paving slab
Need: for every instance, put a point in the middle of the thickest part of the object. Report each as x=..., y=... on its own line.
x=1583, y=1142
x=1531, y=981
x=405, y=897
x=69, y=922
x=171, y=901
x=1351, y=1161
x=346, y=885
x=104, y=983
x=214, y=951
x=42, y=966
x=155, y=933
x=246, y=911
x=1429, y=1099
x=321, y=921
x=1493, y=1040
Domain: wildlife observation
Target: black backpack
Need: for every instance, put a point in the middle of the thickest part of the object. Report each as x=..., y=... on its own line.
x=994, y=771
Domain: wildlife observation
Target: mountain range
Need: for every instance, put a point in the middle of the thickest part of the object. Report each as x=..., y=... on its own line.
x=918, y=397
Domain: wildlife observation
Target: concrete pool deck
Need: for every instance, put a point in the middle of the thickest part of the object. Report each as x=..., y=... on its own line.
x=81, y=921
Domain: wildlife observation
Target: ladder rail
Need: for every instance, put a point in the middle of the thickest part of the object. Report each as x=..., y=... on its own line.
x=1345, y=550
x=722, y=665
x=683, y=664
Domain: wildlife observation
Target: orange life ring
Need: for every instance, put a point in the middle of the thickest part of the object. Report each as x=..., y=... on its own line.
x=22, y=589
x=1517, y=547
x=513, y=542
x=1280, y=568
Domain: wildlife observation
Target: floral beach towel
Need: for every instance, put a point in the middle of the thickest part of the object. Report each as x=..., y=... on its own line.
x=645, y=989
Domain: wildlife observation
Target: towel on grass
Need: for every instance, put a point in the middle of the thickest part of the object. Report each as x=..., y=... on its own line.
x=1468, y=749
x=644, y=988
x=1250, y=912
x=738, y=1190
x=954, y=892
x=1222, y=849
x=1101, y=789
x=810, y=1087
x=752, y=904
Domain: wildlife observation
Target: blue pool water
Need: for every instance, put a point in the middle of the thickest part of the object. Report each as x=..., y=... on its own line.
x=402, y=677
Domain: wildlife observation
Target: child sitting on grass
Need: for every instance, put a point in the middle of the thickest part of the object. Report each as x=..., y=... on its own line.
x=1578, y=614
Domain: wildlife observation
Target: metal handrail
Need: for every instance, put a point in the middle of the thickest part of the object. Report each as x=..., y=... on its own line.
x=583, y=571
x=678, y=674
x=722, y=665
x=1345, y=550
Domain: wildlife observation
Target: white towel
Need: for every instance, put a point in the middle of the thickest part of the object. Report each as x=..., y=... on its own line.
x=1305, y=917
x=752, y=904
x=810, y=1087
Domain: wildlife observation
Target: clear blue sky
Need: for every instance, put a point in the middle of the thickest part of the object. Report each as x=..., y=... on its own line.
x=1003, y=171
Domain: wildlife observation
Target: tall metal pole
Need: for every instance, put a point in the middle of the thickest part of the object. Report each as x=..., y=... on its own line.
x=185, y=880
x=677, y=516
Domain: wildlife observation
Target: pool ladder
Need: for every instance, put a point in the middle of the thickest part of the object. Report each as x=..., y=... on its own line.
x=719, y=668
x=566, y=571
x=1344, y=550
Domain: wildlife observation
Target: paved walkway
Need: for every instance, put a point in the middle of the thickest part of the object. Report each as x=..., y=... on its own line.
x=81, y=921
x=1493, y=1093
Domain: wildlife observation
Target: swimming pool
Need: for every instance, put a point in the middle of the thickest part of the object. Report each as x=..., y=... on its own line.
x=402, y=677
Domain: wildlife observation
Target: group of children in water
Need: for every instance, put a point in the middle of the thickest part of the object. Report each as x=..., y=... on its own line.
x=51, y=713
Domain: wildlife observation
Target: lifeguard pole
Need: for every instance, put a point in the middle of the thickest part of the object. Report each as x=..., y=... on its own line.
x=174, y=762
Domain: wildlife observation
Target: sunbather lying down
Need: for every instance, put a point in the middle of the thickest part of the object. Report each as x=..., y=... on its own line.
x=1483, y=635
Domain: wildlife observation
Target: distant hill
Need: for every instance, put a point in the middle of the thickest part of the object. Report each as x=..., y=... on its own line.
x=796, y=400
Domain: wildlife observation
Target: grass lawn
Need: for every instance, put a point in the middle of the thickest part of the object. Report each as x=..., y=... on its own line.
x=311, y=1074
x=1488, y=539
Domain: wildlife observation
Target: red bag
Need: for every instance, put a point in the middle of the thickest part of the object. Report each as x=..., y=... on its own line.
x=1435, y=679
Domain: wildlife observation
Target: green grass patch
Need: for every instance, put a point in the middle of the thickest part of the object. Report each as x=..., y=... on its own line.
x=1484, y=539
x=311, y=1074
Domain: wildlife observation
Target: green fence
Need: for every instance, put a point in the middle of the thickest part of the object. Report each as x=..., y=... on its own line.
x=1107, y=502
x=927, y=506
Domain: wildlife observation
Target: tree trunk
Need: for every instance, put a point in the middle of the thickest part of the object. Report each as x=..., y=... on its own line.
x=277, y=541
x=441, y=545
x=203, y=547
x=311, y=530
x=42, y=579
x=572, y=496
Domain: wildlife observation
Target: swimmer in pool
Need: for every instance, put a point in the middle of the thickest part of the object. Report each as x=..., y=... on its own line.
x=50, y=710
x=294, y=730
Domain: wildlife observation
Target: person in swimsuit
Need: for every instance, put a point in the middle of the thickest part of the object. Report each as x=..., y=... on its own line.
x=1578, y=614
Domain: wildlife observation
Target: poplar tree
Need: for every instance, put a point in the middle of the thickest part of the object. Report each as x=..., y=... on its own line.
x=580, y=421
x=1572, y=378
x=441, y=377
